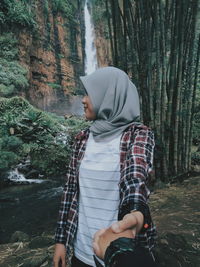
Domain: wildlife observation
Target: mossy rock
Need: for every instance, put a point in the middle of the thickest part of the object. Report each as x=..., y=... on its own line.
x=19, y=236
x=28, y=259
x=36, y=260
x=40, y=242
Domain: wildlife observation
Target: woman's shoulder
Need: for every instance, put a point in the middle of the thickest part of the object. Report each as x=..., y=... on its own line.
x=138, y=133
x=138, y=127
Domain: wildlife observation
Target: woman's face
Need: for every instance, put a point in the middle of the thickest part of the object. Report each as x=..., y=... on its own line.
x=88, y=108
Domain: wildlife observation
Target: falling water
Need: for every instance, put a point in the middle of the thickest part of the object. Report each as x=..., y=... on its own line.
x=18, y=178
x=90, y=49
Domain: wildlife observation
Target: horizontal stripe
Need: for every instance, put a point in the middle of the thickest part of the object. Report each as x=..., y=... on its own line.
x=88, y=236
x=96, y=218
x=90, y=227
x=90, y=173
x=97, y=208
x=82, y=251
x=100, y=179
x=99, y=198
x=99, y=189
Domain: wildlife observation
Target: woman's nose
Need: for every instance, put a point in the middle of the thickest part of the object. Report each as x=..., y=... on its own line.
x=83, y=100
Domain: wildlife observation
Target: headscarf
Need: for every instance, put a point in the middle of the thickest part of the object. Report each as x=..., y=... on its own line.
x=115, y=101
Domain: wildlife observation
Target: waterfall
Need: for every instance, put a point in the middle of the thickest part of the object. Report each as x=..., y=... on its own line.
x=15, y=177
x=90, y=49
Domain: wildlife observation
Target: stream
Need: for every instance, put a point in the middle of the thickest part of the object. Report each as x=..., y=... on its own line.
x=31, y=205
x=32, y=208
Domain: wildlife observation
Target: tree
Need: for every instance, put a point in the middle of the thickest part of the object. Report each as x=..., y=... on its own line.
x=157, y=43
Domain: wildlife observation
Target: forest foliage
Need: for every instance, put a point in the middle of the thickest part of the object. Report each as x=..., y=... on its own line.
x=13, y=77
x=43, y=137
x=13, y=12
x=155, y=42
x=158, y=44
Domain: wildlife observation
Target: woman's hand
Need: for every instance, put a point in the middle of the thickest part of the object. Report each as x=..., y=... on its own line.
x=59, y=255
x=128, y=227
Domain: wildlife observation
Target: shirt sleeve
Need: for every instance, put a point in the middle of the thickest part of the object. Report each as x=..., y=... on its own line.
x=67, y=209
x=137, y=165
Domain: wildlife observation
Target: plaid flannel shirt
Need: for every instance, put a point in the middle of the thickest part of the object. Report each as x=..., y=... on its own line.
x=136, y=158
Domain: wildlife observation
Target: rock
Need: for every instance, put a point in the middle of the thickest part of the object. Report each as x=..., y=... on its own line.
x=33, y=174
x=40, y=242
x=171, y=250
x=195, y=168
x=36, y=260
x=164, y=241
x=24, y=257
x=8, y=199
x=24, y=167
x=19, y=236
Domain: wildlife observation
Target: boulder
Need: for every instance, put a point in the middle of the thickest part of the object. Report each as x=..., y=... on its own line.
x=19, y=236
x=40, y=242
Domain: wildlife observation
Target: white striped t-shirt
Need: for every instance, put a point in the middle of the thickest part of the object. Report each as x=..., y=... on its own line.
x=99, y=176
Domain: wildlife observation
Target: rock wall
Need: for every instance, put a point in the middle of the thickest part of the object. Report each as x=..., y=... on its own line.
x=53, y=56
x=53, y=53
x=102, y=43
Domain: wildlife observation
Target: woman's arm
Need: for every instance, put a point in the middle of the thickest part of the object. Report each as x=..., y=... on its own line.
x=134, y=215
x=133, y=186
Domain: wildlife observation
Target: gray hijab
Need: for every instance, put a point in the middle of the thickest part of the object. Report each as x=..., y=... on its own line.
x=115, y=101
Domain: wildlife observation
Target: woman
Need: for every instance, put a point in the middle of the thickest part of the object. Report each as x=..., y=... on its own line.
x=105, y=192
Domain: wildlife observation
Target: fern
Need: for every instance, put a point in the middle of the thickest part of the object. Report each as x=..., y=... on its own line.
x=16, y=12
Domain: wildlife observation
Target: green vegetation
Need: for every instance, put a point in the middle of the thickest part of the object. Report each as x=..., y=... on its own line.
x=64, y=7
x=196, y=122
x=27, y=131
x=12, y=75
x=16, y=12
x=196, y=158
x=55, y=85
x=12, y=78
x=100, y=16
x=8, y=47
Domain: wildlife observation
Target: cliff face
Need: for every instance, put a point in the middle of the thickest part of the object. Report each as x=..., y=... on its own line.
x=48, y=39
x=102, y=41
x=53, y=56
x=103, y=46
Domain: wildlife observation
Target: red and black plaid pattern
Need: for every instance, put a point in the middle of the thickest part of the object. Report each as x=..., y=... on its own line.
x=136, y=159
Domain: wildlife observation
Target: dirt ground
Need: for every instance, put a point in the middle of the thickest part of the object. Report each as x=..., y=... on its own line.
x=176, y=212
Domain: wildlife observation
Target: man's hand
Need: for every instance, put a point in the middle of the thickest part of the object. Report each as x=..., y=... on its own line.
x=129, y=226
x=133, y=220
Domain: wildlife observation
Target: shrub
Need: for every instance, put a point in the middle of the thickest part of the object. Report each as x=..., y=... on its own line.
x=12, y=78
x=8, y=47
x=64, y=7
x=196, y=158
x=18, y=12
x=7, y=160
x=55, y=85
x=50, y=158
x=9, y=147
x=25, y=130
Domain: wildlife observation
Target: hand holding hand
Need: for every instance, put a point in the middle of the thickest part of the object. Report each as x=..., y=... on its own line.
x=127, y=227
